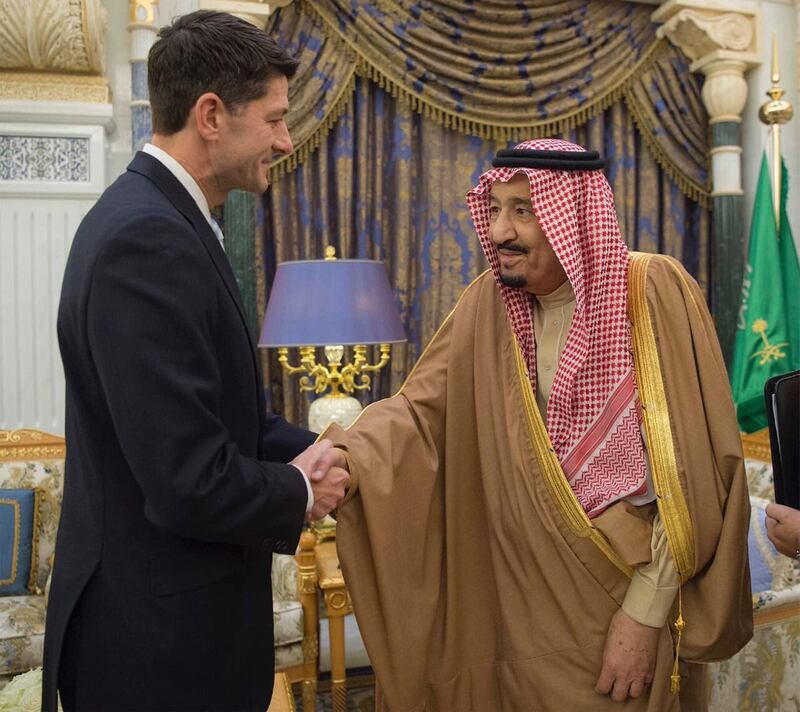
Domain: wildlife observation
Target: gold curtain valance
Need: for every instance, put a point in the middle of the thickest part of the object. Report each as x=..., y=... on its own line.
x=495, y=72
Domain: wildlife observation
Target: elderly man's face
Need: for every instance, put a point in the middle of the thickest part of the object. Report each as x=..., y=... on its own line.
x=526, y=259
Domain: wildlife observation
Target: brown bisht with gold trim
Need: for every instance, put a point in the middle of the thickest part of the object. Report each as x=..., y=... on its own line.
x=478, y=581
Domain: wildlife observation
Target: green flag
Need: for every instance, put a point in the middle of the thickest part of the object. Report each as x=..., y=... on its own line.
x=768, y=328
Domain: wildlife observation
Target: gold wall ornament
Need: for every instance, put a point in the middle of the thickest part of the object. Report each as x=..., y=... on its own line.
x=51, y=86
x=53, y=35
x=143, y=12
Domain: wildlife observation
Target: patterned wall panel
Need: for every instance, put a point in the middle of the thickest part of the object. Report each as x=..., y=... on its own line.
x=47, y=158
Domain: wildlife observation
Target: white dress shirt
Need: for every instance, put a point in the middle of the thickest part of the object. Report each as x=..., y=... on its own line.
x=190, y=184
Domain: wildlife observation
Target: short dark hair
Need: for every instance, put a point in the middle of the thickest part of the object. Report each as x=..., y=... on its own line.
x=207, y=51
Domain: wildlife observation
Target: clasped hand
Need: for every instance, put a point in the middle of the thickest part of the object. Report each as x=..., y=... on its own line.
x=326, y=467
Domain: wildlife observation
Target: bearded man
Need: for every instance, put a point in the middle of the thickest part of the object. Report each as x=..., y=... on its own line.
x=552, y=512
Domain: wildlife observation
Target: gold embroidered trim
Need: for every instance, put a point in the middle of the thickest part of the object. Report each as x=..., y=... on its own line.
x=568, y=505
x=14, y=504
x=33, y=578
x=658, y=429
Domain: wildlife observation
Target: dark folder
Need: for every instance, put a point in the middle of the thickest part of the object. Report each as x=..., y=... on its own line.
x=782, y=395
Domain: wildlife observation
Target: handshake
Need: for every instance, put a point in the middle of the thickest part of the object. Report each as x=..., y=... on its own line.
x=326, y=467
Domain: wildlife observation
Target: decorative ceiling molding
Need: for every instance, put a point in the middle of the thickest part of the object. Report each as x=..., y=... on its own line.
x=53, y=35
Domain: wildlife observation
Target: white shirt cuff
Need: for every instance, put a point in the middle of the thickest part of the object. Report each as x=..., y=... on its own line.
x=310, y=504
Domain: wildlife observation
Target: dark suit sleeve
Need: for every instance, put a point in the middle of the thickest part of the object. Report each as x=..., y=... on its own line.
x=152, y=312
x=283, y=441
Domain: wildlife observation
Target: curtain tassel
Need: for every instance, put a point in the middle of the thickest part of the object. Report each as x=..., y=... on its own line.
x=680, y=624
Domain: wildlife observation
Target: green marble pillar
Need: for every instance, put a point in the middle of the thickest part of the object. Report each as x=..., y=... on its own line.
x=727, y=260
x=239, y=215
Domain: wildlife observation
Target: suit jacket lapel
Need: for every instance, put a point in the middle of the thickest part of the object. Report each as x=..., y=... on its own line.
x=158, y=173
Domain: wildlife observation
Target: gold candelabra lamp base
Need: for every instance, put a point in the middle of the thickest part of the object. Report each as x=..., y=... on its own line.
x=337, y=405
x=317, y=377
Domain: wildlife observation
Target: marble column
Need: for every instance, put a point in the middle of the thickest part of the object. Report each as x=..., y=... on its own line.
x=240, y=228
x=723, y=45
x=143, y=28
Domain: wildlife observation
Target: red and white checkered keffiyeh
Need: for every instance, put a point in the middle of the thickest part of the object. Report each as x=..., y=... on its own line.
x=593, y=417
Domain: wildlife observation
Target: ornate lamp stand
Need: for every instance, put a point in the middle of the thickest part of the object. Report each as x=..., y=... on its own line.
x=336, y=406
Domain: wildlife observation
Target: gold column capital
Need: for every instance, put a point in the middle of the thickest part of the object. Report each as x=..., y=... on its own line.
x=53, y=35
x=702, y=27
x=142, y=12
x=721, y=39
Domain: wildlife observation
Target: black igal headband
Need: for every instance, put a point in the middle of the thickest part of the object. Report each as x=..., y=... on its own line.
x=551, y=160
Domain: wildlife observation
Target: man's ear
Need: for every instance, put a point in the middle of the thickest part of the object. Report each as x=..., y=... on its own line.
x=208, y=111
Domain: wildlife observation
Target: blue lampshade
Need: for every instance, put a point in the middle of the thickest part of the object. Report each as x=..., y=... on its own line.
x=329, y=302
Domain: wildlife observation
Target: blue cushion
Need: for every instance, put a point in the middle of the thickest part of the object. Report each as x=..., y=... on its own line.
x=17, y=513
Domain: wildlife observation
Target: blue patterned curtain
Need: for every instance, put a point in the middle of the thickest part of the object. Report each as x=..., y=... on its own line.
x=496, y=70
x=399, y=105
x=387, y=183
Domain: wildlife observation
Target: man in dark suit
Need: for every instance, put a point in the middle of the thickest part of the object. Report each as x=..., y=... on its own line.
x=175, y=492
